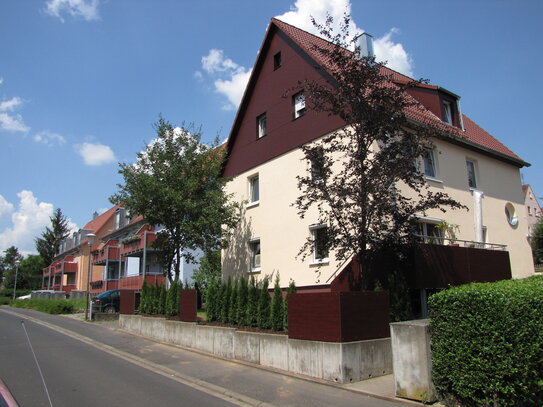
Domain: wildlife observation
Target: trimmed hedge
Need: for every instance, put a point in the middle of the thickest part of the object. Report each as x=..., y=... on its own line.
x=487, y=343
x=47, y=306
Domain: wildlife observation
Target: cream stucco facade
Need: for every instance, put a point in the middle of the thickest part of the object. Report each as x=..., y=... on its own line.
x=274, y=222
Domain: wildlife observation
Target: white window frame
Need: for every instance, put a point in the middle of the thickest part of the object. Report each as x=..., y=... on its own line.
x=447, y=112
x=261, y=126
x=429, y=152
x=255, y=259
x=254, y=190
x=299, y=104
x=314, y=229
x=474, y=172
x=436, y=238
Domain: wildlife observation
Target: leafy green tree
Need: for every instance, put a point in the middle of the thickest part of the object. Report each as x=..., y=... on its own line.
x=8, y=266
x=212, y=300
x=30, y=272
x=208, y=272
x=226, y=293
x=276, y=308
x=537, y=242
x=367, y=189
x=263, y=307
x=48, y=244
x=176, y=183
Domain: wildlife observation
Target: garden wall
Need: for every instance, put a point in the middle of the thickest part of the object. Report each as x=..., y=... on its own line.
x=340, y=362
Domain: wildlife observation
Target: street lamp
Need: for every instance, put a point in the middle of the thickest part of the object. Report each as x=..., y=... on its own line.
x=16, y=271
x=90, y=240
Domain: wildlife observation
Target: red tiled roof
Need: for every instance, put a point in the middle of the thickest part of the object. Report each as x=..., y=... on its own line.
x=100, y=220
x=417, y=112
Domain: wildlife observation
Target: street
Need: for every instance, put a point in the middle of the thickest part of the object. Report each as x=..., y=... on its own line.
x=77, y=374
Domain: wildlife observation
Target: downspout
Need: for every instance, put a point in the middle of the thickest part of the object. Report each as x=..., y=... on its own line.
x=107, y=267
x=49, y=279
x=62, y=277
x=120, y=265
x=478, y=214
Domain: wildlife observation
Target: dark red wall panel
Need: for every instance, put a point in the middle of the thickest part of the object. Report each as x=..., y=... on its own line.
x=127, y=302
x=187, y=305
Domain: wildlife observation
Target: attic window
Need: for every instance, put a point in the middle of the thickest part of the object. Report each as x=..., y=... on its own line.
x=277, y=61
x=261, y=125
x=299, y=104
x=447, y=112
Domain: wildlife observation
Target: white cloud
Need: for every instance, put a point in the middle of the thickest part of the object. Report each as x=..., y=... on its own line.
x=1, y=81
x=5, y=207
x=86, y=9
x=49, y=138
x=28, y=221
x=95, y=154
x=10, y=121
x=230, y=79
x=385, y=49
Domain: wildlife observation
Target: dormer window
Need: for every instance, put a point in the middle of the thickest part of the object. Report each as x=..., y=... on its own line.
x=447, y=112
x=277, y=61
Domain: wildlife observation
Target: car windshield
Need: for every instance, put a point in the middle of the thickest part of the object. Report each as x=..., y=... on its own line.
x=106, y=294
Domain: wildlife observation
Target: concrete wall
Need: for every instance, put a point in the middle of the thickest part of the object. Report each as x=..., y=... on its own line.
x=412, y=360
x=337, y=362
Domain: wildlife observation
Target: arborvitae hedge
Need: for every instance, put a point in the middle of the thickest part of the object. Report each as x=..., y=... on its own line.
x=276, y=308
x=290, y=290
x=487, y=343
x=157, y=300
x=247, y=303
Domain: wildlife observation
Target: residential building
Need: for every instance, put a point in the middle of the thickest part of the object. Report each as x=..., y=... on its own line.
x=533, y=210
x=265, y=157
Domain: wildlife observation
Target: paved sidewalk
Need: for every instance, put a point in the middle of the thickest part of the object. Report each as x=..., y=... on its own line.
x=248, y=384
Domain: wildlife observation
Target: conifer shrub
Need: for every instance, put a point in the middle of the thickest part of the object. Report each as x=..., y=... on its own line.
x=290, y=290
x=242, y=301
x=252, y=304
x=487, y=343
x=211, y=300
x=162, y=294
x=144, y=299
x=233, y=306
x=172, y=299
x=263, y=308
x=225, y=301
x=276, y=308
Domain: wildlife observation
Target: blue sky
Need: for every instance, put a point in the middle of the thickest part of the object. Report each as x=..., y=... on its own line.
x=82, y=82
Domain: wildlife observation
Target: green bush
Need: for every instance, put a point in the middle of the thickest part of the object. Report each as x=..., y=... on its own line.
x=276, y=308
x=5, y=300
x=242, y=301
x=172, y=299
x=487, y=343
x=263, y=307
x=290, y=290
x=233, y=306
x=252, y=301
x=47, y=306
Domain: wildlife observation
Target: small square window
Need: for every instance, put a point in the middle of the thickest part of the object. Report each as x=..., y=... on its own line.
x=472, y=178
x=429, y=163
x=254, y=253
x=277, y=61
x=447, y=112
x=299, y=104
x=254, y=189
x=320, y=244
x=261, y=125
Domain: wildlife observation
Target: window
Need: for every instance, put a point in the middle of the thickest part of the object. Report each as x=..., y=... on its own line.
x=254, y=190
x=472, y=179
x=254, y=253
x=317, y=165
x=320, y=244
x=277, y=61
x=430, y=233
x=429, y=163
x=261, y=125
x=299, y=104
x=447, y=112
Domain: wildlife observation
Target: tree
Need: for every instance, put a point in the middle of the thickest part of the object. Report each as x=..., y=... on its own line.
x=8, y=265
x=363, y=180
x=537, y=242
x=48, y=244
x=276, y=307
x=208, y=272
x=176, y=183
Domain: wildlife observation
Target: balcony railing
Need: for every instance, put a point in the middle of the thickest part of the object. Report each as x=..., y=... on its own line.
x=136, y=282
x=459, y=242
x=107, y=253
x=135, y=246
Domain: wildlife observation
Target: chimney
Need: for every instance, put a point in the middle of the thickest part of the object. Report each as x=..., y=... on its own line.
x=365, y=44
x=94, y=215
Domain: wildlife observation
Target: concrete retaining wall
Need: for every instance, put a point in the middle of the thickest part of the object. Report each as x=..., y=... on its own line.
x=338, y=362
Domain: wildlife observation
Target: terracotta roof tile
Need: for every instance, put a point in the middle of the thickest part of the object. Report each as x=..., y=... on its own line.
x=100, y=220
x=472, y=132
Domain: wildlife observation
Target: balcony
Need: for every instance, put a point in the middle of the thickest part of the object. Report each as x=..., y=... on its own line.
x=136, y=282
x=108, y=253
x=133, y=246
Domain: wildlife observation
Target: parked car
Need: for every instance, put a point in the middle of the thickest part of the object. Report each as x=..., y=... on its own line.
x=108, y=302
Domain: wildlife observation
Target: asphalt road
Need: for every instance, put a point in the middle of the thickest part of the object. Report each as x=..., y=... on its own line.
x=77, y=374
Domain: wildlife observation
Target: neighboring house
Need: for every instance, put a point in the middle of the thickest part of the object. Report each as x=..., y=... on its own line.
x=533, y=210
x=70, y=268
x=264, y=158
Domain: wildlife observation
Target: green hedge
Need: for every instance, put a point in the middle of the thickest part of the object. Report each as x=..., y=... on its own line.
x=487, y=343
x=47, y=306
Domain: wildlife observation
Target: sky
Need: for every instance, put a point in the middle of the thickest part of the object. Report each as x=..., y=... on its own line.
x=83, y=81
